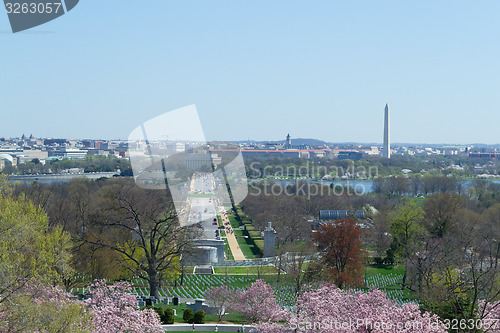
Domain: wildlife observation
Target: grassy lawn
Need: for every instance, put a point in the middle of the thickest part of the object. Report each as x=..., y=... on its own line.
x=229, y=254
x=372, y=270
x=234, y=223
x=249, y=250
x=245, y=270
x=238, y=232
x=201, y=195
x=419, y=202
x=232, y=317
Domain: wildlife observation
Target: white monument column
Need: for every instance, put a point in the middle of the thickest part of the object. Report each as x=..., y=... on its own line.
x=387, y=133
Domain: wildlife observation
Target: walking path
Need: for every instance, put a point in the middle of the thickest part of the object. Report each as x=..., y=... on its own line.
x=208, y=327
x=231, y=239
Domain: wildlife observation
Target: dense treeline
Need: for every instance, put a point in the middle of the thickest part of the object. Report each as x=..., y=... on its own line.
x=370, y=167
x=118, y=229
x=291, y=207
x=447, y=241
x=89, y=164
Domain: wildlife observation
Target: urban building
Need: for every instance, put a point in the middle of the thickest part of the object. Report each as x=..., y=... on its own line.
x=330, y=216
x=68, y=153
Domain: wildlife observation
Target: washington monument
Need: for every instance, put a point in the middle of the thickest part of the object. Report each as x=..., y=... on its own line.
x=387, y=133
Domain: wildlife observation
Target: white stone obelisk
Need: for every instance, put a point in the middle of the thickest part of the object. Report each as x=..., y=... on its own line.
x=387, y=133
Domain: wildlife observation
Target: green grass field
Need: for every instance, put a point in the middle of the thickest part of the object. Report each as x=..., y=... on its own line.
x=234, y=223
x=419, y=201
x=229, y=254
x=249, y=250
x=201, y=195
x=382, y=272
x=372, y=270
x=234, y=317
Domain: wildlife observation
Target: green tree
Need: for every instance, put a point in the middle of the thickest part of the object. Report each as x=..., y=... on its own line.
x=142, y=226
x=406, y=226
x=28, y=249
x=199, y=317
x=441, y=211
x=188, y=315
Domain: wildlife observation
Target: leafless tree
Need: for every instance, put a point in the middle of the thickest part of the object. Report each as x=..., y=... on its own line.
x=142, y=226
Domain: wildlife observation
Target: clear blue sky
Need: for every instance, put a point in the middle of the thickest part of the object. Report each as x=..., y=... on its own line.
x=259, y=69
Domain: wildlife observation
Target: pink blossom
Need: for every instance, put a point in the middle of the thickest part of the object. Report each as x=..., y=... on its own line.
x=115, y=310
x=489, y=314
x=258, y=304
x=331, y=310
x=222, y=298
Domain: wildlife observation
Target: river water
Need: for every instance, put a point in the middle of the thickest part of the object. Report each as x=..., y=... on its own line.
x=365, y=186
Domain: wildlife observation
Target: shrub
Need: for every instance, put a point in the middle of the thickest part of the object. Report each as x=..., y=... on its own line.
x=158, y=311
x=254, y=234
x=450, y=309
x=246, y=221
x=199, y=317
x=378, y=261
x=168, y=316
x=389, y=259
x=259, y=244
x=249, y=227
x=188, y=315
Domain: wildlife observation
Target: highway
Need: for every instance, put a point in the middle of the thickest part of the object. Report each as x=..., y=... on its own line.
x=203, y=204
x=204, y=208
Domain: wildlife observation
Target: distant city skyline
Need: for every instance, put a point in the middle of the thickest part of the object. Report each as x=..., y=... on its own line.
x=258, y=70
x=284, y=141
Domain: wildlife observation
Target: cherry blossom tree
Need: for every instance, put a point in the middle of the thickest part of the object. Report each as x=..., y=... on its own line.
x=332, y=310
x=39, y=308
x=115, y=310
x=489, y=316
x=222, y=298
x=43, y=309
x=258, y=304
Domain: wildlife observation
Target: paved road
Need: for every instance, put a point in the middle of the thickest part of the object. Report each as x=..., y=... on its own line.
x=208, y=327
x=203, y=213
x=204, y=209
x=203, y=205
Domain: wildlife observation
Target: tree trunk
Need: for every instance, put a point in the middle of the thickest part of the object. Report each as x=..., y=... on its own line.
x=154, y=284
x=279, y=270
x=403, y=285
x=182, y=275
